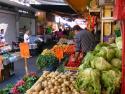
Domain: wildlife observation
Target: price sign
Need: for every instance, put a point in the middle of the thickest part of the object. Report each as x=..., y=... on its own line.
x=24, y=50
x=25, y=53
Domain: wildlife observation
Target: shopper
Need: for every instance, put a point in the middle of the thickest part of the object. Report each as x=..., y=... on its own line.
x=27, y=37
x=85, y=41
x=2, y=36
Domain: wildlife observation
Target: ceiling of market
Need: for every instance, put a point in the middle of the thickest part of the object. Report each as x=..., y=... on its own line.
x=52, y=2
x=62, y=6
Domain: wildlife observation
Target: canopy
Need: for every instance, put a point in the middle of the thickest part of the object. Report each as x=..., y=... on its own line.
x=52, y=2
x=64, y=6
x=55, y=8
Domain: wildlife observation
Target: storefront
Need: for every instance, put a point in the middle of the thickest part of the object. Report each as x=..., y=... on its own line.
x=8, y=23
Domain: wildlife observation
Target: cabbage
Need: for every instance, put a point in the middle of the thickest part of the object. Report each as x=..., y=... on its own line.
x=100, y=63
x=99, y=46
x=111, y=81
x=118, y=53
x=116, y=63
x=89, y=80
x=119, y=42
x=107, y=52
x=86, y=61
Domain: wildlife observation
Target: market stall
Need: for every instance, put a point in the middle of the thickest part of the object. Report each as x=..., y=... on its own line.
x=101, y=71
x=7, y=60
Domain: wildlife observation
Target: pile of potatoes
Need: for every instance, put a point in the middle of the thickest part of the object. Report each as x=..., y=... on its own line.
x=54, y=83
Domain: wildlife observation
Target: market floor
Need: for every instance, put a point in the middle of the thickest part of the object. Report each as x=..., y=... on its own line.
x=20, y=71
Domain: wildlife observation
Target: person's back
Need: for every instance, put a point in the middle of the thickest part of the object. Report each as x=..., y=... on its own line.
x=87, y=40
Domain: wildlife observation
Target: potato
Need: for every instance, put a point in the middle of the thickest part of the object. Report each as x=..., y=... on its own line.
x=63, y=85
x=56, y=83
x=63, y=76
x=41, y=92
x=60, y=80
x=52, y=90
x=45, y=83
x=64, y=93
x=28, y=92
x=58, y=91
x=32, y=90
x=46, y=89
x=35, y=93
x=52, y=93
x=49, y=83
x=66, y=83
x=46, y=73
x=52, y=81
x=38, y=87
x=55, y=87
x=63, y=89
x=56, y=72
x=50, y=86
x=47, y=92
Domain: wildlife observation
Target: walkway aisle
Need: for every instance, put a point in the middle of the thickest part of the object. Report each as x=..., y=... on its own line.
x=20, y=71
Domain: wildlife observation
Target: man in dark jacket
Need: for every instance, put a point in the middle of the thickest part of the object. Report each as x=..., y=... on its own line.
x=85, y=41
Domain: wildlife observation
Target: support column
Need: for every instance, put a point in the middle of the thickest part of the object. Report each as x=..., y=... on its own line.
x=123, y=57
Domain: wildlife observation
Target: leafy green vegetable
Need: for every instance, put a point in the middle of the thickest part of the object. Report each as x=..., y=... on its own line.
x=45, y=61
x=116, y=63
x=86, y=61
x=89, y=80
x=119, y=42
x=107, y=52
x=111, y=81
x=99, y=46
x=118, y=53
x=100, y=63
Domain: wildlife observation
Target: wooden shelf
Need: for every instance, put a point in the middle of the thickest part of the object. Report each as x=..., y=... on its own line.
x=95, y=10
x=108, y=19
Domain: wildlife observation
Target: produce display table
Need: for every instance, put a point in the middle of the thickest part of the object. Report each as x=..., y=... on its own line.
x=7, y=60
x=60, y=50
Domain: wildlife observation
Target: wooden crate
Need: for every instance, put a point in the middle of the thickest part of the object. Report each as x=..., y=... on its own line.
x=71, y=69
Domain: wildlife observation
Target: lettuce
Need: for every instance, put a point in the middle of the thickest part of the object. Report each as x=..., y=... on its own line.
x=116, y=63
x=119, y=42
x=111, y=81
x=89, y=80
x=86, y=61
x=107, y=52
x=100, y=63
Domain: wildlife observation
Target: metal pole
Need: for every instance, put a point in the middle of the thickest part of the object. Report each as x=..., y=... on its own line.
x=123, y=57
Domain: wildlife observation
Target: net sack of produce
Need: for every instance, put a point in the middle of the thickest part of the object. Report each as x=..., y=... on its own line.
x=86, y=61
x=117, y=63
x=100, y=63
x=107, y=52
x=111, y=81
x=89, y=80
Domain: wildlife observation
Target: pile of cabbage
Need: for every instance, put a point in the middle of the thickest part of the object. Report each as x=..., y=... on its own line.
x=100, y=71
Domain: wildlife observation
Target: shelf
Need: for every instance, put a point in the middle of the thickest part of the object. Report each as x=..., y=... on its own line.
x=108, y=19
x=95, y=10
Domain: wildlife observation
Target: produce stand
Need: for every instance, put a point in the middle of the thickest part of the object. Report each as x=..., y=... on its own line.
x=6, y=62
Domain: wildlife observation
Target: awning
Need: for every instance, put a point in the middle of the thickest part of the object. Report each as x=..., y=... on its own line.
x=63, y=6
x=52, y=2
x=55, y=8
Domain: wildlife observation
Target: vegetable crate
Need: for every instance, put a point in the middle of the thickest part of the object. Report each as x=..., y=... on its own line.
x=71, y=69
